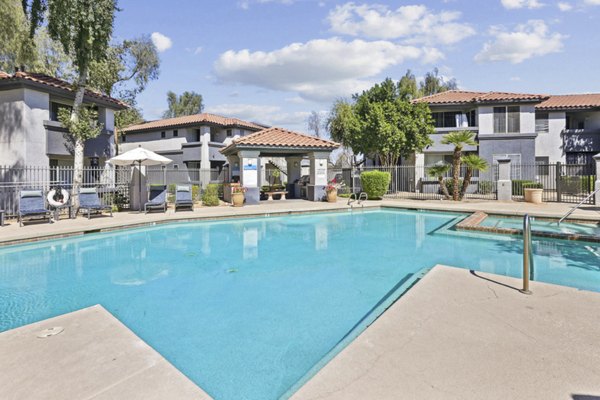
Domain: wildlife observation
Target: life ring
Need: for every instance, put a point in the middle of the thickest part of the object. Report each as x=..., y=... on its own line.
x=58, y=197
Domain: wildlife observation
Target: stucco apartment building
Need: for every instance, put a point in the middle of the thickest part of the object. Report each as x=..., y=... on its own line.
x=30, y=134
x=191, y=141
x=527, y=128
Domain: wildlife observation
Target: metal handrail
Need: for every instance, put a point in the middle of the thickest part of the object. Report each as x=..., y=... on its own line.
x=577, y=206
x=358, y=199
x=527, y=254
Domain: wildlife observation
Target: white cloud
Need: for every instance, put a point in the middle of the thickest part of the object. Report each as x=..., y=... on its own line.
x=563, y=6
x=320, y=69
x=413, y=23
x=245, y=4
x=514, y=4
x=161, y=41
x=266, y=114
x=529, y=40
x=592, y=2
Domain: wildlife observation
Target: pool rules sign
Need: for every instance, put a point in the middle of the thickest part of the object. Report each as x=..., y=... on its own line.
x=250, y=172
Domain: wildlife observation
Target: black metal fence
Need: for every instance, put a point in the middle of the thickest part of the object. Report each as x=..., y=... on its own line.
x=112, y=183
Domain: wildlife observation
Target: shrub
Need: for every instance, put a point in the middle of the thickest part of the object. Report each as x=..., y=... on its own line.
x=449, y=182
x=485, y=187
x=210, y=197
x=518, y=186
x=375, y=183
x=577, y=184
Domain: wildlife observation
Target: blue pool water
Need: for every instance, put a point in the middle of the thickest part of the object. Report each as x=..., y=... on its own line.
x=246, y=307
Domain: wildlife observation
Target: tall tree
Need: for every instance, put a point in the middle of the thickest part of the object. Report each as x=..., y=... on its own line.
x=434, y=83
x=84, y=29
x=381, y=123
x=16, y=48
x=407, y=86
x=189, y=103
x=316, y=124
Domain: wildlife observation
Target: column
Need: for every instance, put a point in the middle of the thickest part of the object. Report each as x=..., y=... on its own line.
x=205, y=153
x=597, y=184
x=419, y=172
x=504, y=181
x=294, y=172
x=249, y=173
x=318, y=175
x=138, y=191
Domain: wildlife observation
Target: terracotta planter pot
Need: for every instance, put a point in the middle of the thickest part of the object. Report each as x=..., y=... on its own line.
x=237, y=199
x=332, y=196
x=533, y=195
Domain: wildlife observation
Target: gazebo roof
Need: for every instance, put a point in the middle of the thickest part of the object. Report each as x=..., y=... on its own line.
x=279, y=139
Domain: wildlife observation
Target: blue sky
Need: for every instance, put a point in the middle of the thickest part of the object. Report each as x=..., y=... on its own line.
x=274, y=61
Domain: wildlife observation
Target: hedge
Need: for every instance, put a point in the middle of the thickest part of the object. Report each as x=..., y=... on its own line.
x=518, y=186
x=375, y=183
x=210, y=197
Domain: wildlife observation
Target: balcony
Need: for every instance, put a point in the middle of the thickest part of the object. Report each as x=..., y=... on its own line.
x=57, y=143
x=438, y=147
x=474, y=129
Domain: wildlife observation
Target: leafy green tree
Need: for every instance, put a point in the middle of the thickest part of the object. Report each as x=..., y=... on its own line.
x=459, y=139
x=473, y=163
x=407, y=86
x=380, y=123
x=84, y=29
x=439, y=171
x=433, y=83
x=16, y=48
x=34, y=10
x=189, y=103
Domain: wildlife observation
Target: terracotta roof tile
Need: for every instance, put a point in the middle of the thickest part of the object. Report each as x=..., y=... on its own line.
x=57, y=83
x=450, y=97
x=466, y=97
x=279, y=137
x=571, y=101
x=192, y=120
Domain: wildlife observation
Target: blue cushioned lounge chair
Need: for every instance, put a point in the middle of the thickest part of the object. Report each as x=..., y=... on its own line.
x=157, y=199
x=32, y=205
x=90, y=202
x=183, y=197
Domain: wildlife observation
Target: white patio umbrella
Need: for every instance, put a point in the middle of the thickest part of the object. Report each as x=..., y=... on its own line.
x=139, y=156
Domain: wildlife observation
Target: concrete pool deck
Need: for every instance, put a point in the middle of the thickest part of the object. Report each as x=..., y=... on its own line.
x=12, y=233
x=95, y=357
x=463, y=335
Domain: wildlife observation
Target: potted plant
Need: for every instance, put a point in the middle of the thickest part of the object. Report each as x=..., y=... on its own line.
x=332, y=190
x=533, y=192
x=237, y=196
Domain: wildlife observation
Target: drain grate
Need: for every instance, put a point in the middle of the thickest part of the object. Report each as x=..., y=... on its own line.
x=46, y=333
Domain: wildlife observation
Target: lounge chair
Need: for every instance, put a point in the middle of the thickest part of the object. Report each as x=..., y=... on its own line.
x=32, y=204
x=90, y=202
x=183, y=197
x=157, y=199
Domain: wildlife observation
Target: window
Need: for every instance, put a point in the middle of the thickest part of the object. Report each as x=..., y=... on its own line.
x=54, y=107
x=229, y=132
x=197, y=135
x=454, y=119
x=123, y=138
x=163, y=134
x=542, y=123
x=581, y=158
x=175, y=133
x=507, y=119
x=542, y=165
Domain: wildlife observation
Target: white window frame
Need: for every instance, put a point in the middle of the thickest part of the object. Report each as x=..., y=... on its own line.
x=506, y=113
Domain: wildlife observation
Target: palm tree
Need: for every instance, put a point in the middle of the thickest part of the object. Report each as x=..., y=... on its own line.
x=438, y=171
x=473, y=163
x=459, y=139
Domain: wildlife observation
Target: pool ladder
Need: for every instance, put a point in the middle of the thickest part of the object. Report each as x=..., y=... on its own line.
x=527, y=255
x=357, y=199
x=578, y=205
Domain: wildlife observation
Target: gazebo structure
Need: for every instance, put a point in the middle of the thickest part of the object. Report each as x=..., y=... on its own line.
x=244, y=156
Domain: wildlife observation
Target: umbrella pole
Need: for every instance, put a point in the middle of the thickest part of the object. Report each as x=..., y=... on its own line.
x=140, y=186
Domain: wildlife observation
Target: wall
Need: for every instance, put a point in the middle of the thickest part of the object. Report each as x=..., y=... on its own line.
x=551, y=144
x=523, y=144
x=12, y=138
x=37, y=111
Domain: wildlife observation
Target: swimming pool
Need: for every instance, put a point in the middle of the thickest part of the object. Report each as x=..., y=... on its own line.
x=544, y=225
x=246, y=308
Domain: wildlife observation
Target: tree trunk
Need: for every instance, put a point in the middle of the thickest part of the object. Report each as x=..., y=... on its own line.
x=466, y=182
x=79, y=143
x=456, y=172
x=443, y=187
